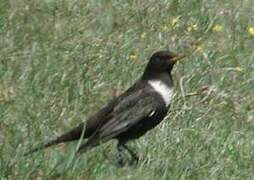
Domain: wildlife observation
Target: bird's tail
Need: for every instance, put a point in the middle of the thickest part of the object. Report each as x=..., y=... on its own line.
x=72, y=135
x=92, y=142
x=42, y=146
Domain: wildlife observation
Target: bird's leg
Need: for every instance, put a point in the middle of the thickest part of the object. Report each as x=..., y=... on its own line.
x=134, y=157
x=119, y=157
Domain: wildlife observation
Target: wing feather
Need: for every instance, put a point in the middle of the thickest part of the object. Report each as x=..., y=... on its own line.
x=126, y=114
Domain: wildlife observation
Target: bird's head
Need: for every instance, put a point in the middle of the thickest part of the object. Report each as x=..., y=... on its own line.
x=161, y=62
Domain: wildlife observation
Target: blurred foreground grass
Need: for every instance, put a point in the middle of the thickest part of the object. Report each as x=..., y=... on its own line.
x=60, y=61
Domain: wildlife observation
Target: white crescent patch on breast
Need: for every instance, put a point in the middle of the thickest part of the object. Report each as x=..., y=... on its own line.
x=165, y=91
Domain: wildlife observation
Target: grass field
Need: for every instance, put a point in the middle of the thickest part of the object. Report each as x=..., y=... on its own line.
x=60, y=61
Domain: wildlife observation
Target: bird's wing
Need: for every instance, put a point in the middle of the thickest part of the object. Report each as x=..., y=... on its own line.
x=94, y=123
x=127, y=113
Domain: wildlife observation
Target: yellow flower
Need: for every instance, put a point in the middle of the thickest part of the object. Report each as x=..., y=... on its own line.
x=143, y=35
x=200, y=48
x=193, y=27
x=239, y=69
x=251, y=30
x=170, y=25
x=164, y=28
x=133, y=56
x=189, y=28
x=175, y=21
x=217, y=28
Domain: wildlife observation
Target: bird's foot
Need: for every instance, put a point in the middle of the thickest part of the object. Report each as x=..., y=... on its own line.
x=133, y=162
x=119, y=160
x=122, y=161
x=134, y=157
x=116, y=159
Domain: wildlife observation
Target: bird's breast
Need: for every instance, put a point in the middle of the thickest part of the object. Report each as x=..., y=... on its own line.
x=163, y=90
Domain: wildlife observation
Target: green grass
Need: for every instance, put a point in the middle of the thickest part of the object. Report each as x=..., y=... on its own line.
x=60, y=61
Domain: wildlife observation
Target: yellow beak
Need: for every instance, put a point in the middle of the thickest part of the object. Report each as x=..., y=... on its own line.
x=177, y=57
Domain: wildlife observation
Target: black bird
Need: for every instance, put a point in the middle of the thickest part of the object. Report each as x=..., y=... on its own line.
x=133, y=113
